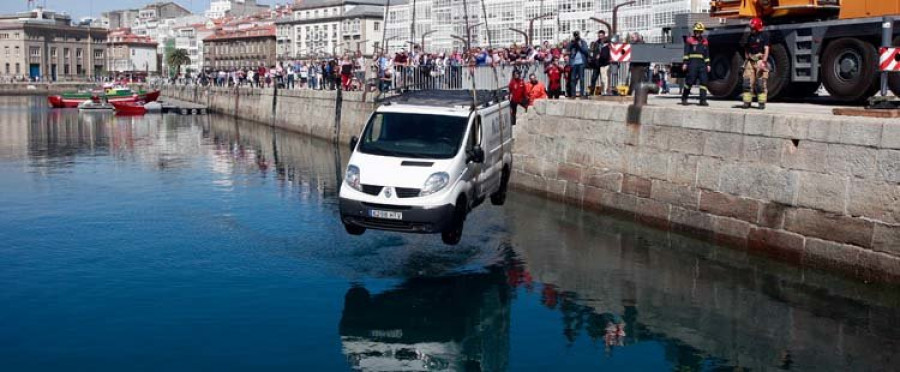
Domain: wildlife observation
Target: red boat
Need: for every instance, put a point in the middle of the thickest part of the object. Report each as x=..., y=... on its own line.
x=71, y=100
x=129, y=108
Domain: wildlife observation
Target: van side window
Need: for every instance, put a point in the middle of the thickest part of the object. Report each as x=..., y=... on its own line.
x=474, y=135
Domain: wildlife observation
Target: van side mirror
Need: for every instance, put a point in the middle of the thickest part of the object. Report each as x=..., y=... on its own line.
x=353, y=141
x=477, y=155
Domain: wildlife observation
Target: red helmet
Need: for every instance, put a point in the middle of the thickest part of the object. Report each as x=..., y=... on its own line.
x=756, y=24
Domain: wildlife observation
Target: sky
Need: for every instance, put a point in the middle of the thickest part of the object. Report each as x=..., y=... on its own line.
x=85, y=8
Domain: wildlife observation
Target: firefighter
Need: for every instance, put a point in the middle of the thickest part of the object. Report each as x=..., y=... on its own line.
x=696, y=64
x=756, y=69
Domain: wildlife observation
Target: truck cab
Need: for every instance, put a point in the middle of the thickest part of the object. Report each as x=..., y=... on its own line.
x=423, y=161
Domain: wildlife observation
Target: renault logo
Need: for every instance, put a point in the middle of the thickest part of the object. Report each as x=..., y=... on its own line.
x=387, y=192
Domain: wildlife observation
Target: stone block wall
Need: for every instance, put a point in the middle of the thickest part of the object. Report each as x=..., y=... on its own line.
x=820, y=190
x=303, y=111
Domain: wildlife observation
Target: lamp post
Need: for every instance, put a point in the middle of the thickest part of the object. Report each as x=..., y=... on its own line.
x=520, y=32
x=386, y=41
x=463, y=40
x=469, y=31
x=609, y=27
x=529, y=39
x=615, y=25
x=360, y=42
x=423, y=39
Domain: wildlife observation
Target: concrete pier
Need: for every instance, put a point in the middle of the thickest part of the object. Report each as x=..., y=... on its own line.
x=814, y=189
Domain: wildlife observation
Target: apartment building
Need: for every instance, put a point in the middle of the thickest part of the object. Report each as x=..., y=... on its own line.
x=240, y=48
x=234, y=8
x=130, y=53
x=326, y=27
x=444, y=21
x=43, y=44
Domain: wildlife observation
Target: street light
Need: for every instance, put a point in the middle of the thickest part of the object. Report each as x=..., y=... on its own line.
x=615, y=27
x=469, y=31
x=463, y=40
x=520, y=32
x=423, y=39
x=529, y=39
x=609, y=28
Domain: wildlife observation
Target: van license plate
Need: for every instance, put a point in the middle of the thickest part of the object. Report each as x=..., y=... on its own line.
x=386, y=215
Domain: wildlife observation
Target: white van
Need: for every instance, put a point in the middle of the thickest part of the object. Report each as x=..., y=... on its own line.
x=424, y=161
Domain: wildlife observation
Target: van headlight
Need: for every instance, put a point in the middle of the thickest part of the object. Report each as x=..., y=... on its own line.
x=352, y=177
x=436, y=182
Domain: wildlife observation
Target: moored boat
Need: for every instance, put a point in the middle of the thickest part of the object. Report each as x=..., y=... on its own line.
x=129, y=108
x=72, y=99
x=91, y=105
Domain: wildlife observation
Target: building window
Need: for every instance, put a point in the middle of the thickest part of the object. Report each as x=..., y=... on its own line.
x=17, y=52
x=53, y=52
x=78, y=53
x=376, y=26
x=6, y=50
x=18, y=69
x=7, y=68
x=34, y=51
x=98, y=53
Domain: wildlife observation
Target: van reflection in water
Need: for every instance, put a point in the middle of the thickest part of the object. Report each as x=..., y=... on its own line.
x=458, y=322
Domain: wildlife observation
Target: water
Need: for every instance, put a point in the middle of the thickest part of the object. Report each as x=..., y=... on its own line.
x=206, y=243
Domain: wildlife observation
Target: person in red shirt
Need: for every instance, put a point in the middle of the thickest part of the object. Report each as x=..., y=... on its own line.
x=518, y=96
x=554, y=78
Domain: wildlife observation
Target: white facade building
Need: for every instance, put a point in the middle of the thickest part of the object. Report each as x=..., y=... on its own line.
x=447, y=19
x=326, y=27
x=234, y=8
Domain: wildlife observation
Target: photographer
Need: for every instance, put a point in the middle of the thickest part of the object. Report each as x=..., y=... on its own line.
x=578, y=57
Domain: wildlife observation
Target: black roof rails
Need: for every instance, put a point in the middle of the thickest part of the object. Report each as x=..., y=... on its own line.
x=445, y=98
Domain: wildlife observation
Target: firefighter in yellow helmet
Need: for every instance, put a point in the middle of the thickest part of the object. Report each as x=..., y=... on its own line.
x=696, y=64
x=756, y=69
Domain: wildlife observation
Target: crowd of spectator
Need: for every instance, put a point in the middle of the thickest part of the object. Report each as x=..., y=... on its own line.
x=563, y=66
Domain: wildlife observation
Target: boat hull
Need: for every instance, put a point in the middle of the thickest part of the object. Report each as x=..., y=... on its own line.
x=129, y=108
x=61, y=101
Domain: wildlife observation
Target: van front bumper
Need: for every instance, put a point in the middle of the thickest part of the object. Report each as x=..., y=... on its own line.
x=415, y=219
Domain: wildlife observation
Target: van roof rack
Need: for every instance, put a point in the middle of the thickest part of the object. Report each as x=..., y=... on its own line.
x=446, y=98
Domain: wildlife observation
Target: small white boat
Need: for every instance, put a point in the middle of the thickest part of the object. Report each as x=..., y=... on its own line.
x=153, y=107
x=90, y=105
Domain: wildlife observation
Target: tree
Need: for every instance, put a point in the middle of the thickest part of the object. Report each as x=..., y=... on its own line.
x=177, y=58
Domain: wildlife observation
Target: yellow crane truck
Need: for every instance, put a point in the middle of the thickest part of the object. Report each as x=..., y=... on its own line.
x=834, y=43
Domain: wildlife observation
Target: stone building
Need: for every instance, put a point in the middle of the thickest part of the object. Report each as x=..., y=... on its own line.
x=116, y=19
x=242, y=48
x=129, y=53
x=324, y=27
x=42, y=44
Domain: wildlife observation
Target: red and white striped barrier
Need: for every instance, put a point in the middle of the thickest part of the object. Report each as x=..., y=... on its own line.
x=620, y=52
x=890, y=59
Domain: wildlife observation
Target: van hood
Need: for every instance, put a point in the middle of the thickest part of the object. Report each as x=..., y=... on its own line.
x=397, y=172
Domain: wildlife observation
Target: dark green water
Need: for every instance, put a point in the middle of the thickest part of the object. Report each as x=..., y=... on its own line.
x=205, y=243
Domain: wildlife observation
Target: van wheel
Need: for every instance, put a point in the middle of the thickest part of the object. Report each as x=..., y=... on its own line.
x=354, y=230
x=499, y=198
x=453, y=234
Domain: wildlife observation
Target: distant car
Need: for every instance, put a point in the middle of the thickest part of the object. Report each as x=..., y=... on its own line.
x=422, y=164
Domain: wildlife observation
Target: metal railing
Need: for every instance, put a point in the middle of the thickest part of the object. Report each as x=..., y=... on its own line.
x=486, y=77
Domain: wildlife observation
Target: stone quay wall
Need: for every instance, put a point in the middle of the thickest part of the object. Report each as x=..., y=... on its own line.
x=303, y=111
x=818, y=190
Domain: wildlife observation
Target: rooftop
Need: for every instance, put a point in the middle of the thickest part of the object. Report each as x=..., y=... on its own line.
x=258, y=31
x=311, y=4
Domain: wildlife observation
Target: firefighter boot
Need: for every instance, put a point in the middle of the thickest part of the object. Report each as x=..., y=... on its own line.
x=703, y=96
x=685, y=91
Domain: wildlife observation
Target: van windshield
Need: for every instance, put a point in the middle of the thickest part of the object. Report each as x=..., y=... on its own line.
x=413, y=135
